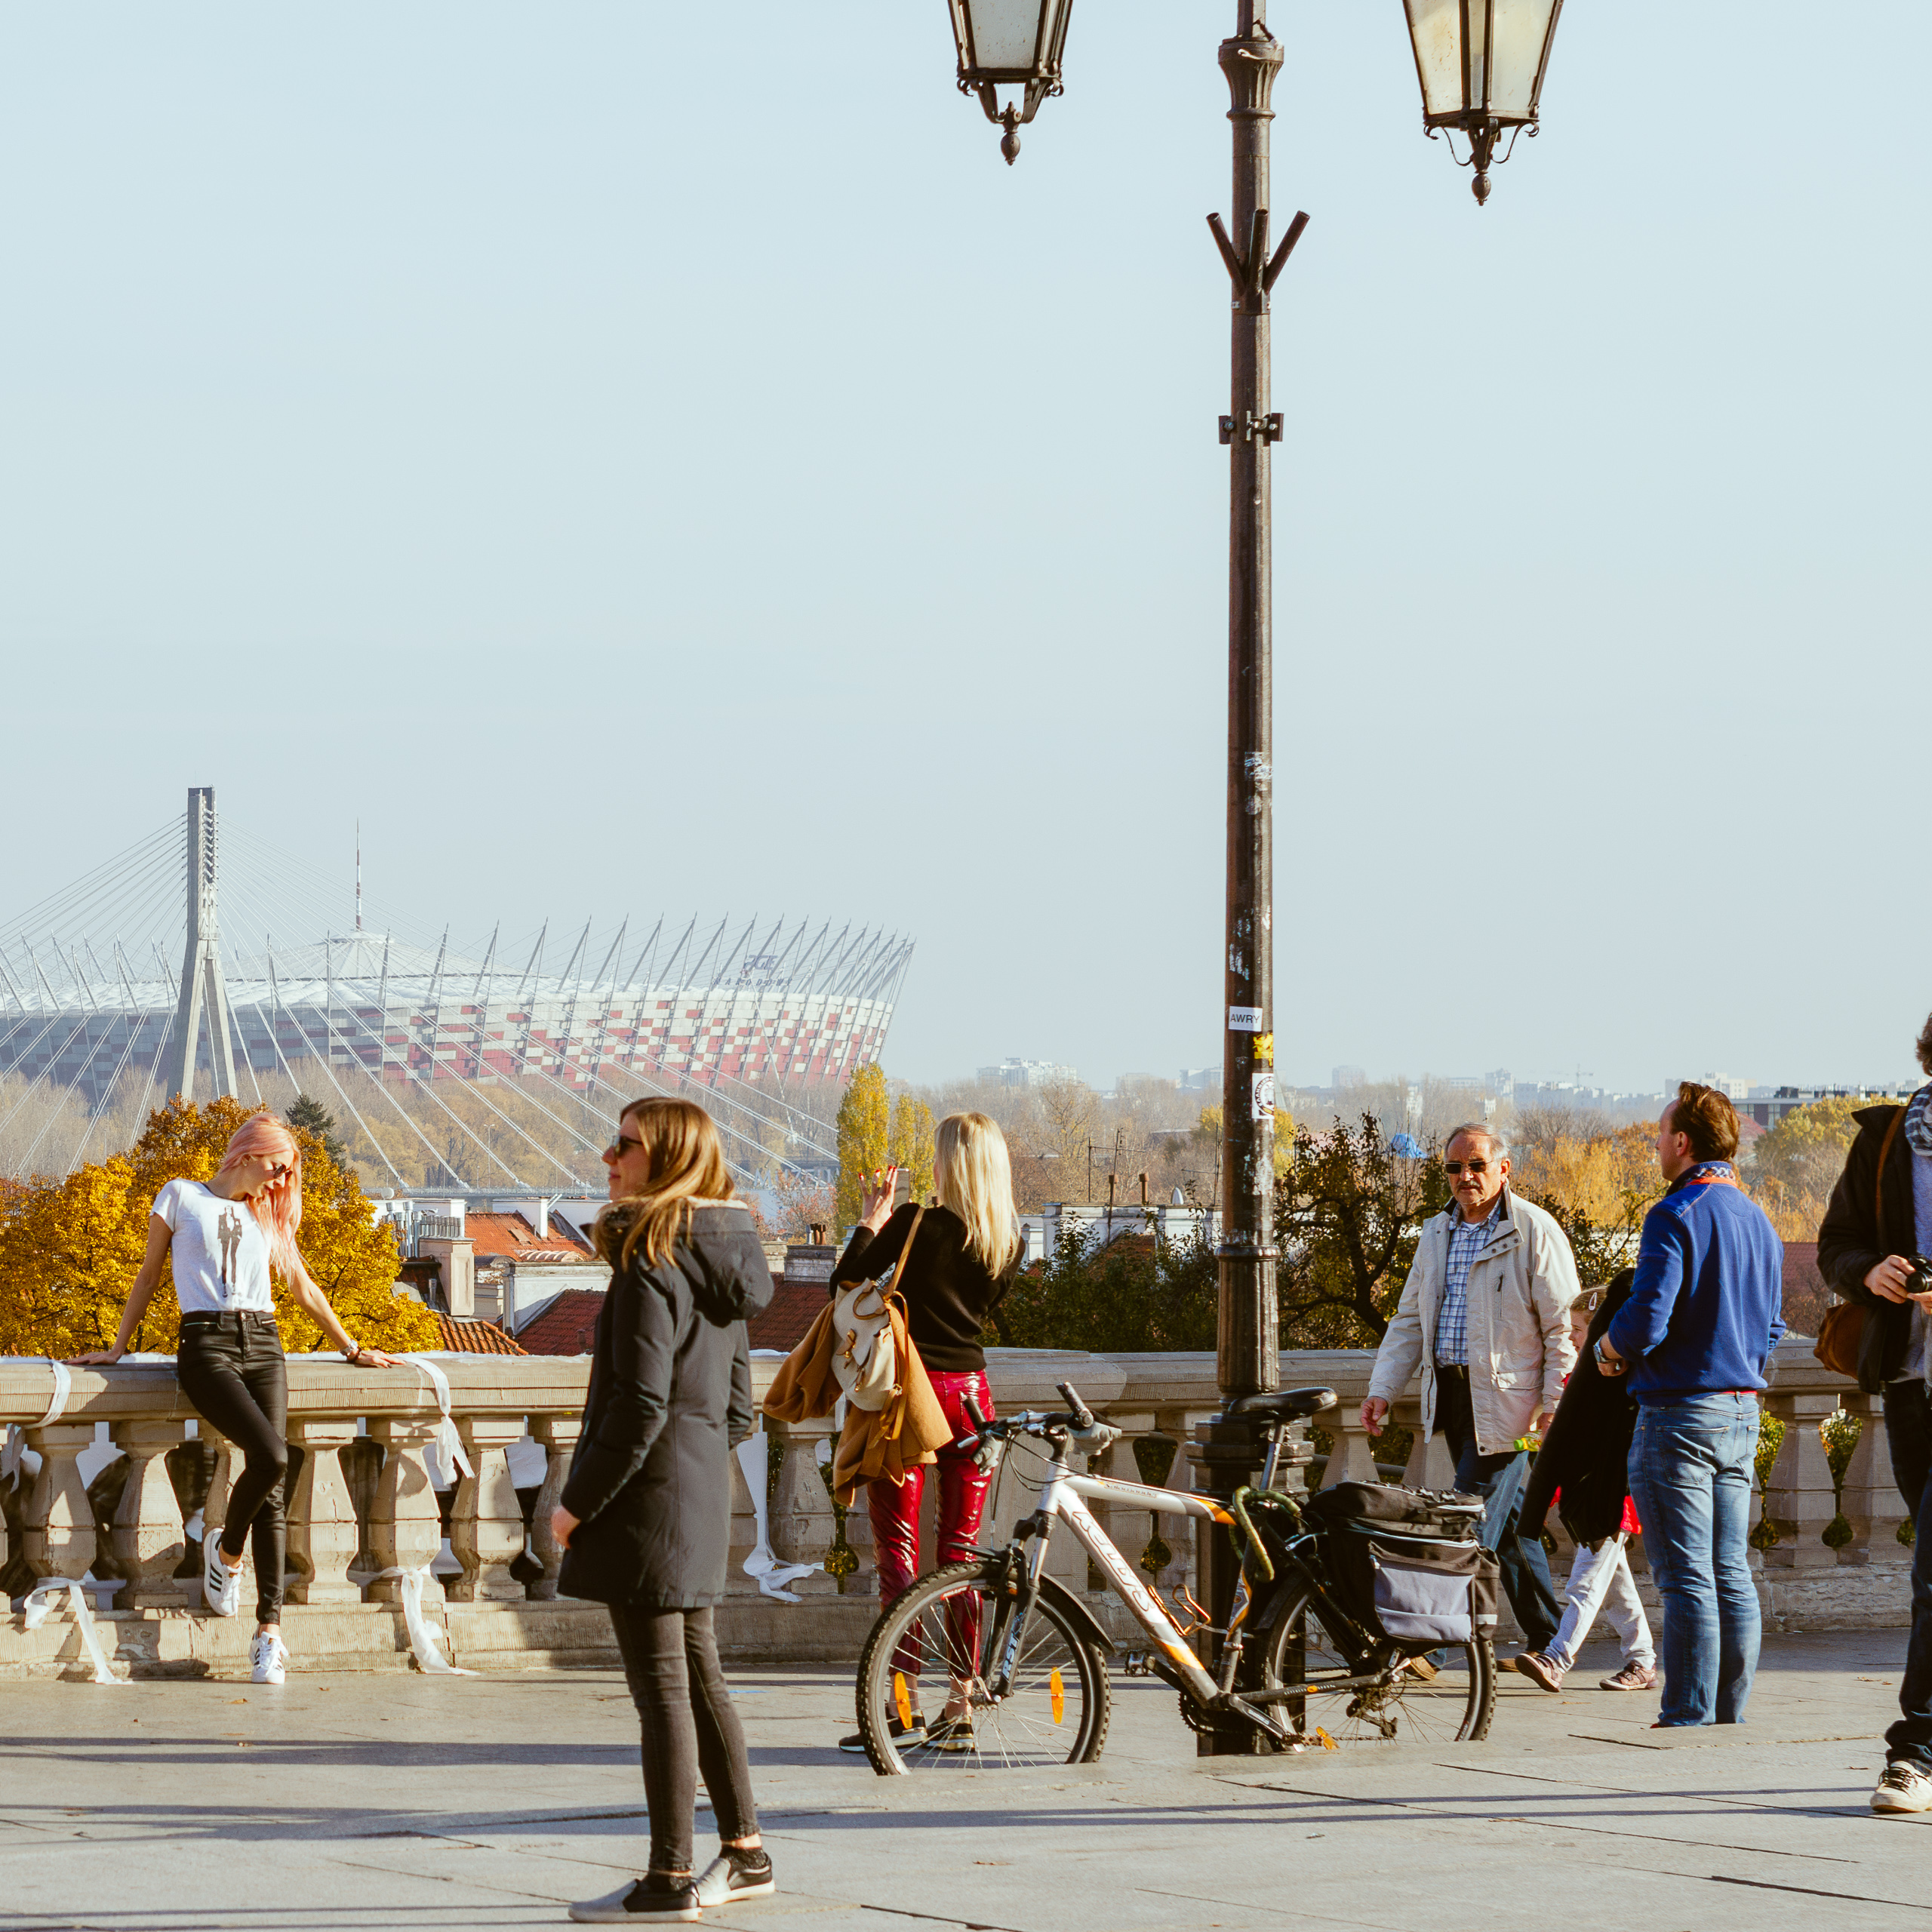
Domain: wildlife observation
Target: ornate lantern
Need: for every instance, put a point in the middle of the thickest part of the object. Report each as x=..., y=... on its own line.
x=1012, y=44
x=1480, y=63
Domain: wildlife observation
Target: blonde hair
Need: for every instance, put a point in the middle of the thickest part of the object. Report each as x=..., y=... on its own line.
x=276, y=1207
x=687, y=1168
x=975, y=1180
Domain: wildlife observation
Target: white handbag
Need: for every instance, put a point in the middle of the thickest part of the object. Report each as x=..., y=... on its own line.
x=864, y=1357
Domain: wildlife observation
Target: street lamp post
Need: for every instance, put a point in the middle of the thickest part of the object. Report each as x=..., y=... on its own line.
x=1481, y=65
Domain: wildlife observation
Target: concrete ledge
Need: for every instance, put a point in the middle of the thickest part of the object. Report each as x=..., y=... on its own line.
x=373, y=1637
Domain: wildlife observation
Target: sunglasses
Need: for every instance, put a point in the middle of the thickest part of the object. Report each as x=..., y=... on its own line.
x=615, y=1150
x=1456, y=1166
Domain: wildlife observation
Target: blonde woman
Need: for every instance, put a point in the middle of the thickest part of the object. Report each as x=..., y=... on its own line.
x=963, y=1261
x=224, y=1238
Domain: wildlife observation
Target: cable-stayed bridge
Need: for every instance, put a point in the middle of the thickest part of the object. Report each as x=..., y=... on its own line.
x=202, y=952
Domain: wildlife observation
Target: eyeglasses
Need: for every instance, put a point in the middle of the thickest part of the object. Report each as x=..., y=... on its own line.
x=615, y=1151
x=1474, y=1166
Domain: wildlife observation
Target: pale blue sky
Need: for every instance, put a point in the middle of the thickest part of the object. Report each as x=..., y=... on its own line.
x=639, y=457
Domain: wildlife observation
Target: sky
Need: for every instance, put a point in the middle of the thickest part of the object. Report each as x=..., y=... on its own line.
x=661, y=460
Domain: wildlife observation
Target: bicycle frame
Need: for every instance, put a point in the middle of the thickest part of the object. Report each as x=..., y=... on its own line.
x=1061, y=1501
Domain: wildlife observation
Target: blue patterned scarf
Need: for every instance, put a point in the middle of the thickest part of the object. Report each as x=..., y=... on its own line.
x=1918, y=1121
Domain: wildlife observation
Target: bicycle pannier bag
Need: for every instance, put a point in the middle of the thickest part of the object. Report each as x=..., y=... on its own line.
x=1419, y=1590
x=864, y=1358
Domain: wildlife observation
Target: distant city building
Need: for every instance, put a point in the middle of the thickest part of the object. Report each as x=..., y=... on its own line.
x=1348, y=1076
x=1200, y=1080
x=1026, y=1073
x=1767, y=1105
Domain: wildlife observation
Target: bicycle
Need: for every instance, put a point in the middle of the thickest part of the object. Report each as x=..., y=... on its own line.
x=1297, y=1667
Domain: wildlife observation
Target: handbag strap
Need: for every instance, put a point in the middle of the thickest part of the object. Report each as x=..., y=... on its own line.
x=1878, y=1187
x=906, y=1253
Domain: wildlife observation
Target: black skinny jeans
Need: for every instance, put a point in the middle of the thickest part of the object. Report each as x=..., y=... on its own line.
x=685, y=1715
x=231, y=1367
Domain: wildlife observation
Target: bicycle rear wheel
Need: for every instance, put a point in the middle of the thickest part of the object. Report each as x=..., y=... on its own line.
x=942, y=1632
x=1448, y=1696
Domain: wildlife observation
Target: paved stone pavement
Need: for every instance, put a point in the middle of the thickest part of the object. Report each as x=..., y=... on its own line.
x=361, y=1802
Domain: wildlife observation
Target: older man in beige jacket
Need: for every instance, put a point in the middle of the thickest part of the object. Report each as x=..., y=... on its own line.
x=1485, y=1316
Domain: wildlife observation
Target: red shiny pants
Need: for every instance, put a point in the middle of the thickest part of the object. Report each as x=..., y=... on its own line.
x=894, y=1510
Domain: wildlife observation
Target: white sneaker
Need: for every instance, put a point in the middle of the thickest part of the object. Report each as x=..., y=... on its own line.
x=221, y=1587
x=1906, y=1786
x=269, y=1659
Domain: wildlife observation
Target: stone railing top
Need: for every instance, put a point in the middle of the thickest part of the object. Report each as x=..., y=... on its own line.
x=323, y=1384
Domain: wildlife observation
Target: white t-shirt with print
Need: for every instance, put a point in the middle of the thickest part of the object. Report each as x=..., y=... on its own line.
x=220, y=1254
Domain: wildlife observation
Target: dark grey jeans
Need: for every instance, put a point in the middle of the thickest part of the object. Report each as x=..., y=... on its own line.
x=685, y=1713
x=231, y=1367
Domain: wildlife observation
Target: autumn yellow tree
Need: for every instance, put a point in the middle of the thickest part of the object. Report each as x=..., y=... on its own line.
x=864, y=1139
x=1794, y=1166
x=914, y=1141
x=69, y=1250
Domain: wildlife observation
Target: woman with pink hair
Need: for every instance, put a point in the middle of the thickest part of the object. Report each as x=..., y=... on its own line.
x=226, y=1237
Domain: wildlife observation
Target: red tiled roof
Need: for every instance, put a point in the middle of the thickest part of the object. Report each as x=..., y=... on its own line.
x=510, y=1235
x=792, y=1311
x=475, y=1338
x=565, y=1325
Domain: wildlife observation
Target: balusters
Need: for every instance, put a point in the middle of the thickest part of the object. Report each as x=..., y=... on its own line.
x=559, y=1434
x=60, y=1534
x=405, y=1525
x=802, y=1524
x=324, y=1536
x=1798, y=1497
x=486, y=1529
x=1872, y=1503
x=149, y=1539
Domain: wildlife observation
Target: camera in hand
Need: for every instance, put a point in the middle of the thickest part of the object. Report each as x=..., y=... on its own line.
x=1919, y=1282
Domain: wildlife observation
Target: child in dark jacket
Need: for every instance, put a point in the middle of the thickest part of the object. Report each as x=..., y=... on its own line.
x=1582, y=1470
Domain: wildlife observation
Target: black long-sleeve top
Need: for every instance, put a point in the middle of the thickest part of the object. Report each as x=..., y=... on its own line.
x=949, y=1293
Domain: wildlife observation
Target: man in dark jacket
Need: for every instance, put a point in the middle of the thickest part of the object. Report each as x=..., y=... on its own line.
x=1879, y=1222
x=1701, y=1320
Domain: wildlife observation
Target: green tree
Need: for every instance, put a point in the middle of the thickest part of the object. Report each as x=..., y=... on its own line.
x=1135, y=1295
x=1794, y=1166
x=864, y=1139
x=1348, y=1213
x=314, y=1119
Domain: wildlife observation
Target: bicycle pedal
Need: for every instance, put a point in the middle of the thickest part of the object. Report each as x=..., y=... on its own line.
x=1138, y=1663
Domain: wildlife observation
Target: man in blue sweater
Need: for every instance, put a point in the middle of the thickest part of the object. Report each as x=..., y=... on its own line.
x=1703, y=1318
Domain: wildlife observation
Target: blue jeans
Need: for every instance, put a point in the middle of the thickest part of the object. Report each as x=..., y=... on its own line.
x=1908, y=1426
x=1690, y=1478
x=1500, y=1481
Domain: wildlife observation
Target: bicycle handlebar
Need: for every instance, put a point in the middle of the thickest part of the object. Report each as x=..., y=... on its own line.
x=1082, y=1416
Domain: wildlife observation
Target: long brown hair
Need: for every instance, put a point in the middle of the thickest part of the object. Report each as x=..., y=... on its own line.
x=687, y=1167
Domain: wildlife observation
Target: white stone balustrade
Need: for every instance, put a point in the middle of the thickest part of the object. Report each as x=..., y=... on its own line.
x=343, y=1528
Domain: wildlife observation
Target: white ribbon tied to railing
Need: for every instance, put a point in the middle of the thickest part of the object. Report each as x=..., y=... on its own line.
x=40, y=1601
x=18, y=1463
x=763, y=1564
x=423, y=1643
x=445, y=1447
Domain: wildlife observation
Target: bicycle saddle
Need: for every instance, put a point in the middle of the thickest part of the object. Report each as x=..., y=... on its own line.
x=1283, y=1405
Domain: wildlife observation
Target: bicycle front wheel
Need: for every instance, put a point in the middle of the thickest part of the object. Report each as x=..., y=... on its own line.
x=938, y=1642
x=1310, y=1678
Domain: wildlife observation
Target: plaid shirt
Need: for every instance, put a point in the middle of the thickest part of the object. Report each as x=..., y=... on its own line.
x=1467, y=1239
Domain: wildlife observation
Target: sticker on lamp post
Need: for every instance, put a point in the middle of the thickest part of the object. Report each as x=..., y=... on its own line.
x=1263, y=1091
x=1243, y=1019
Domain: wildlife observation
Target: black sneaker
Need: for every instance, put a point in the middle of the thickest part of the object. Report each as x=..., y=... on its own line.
x=900, y=1733
x=654, y=1900
x=952, y=1733
x=734, y=1874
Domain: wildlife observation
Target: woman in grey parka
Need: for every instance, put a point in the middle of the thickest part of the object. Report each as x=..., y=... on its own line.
x=645, y=1514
